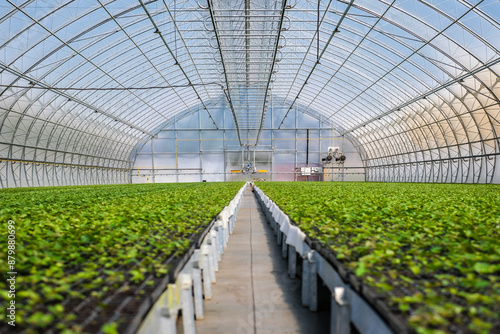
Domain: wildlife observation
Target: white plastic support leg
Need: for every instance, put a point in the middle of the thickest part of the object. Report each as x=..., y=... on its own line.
x=292, y=261
x=197, y=287
x=313, y=285
x=167, y=321
x=220, y=240
x=214, y=251
x=216, y=241
x=306, y=275
x=340, y=312
x=284, y=247
x=226, y=235
x=211, y=259
x=232, y=220
x=186, y=284
x=207, y=280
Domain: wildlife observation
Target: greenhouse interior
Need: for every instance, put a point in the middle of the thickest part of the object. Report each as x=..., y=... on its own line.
x=250, y=166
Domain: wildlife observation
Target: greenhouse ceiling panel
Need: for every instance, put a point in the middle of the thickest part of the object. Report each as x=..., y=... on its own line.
x=84, y=81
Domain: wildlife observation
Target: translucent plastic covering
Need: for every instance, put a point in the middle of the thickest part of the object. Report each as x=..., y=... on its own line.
x=85, y=83
x=415, y=82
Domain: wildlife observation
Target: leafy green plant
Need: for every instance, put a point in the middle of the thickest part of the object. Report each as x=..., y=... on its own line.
x=92, y=242
x=432, y=249
x=110, y=328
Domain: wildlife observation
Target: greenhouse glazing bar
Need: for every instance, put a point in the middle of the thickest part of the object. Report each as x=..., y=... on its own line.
x=33, y=81
x=459, y=80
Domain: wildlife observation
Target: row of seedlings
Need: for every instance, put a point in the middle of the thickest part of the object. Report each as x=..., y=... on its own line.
x=347, y=306
x=195, y=279
x=425, y=257
x=94, y=259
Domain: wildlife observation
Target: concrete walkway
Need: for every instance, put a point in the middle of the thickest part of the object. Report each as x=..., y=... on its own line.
x=253, y=293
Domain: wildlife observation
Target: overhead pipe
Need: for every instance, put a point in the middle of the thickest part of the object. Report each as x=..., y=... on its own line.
x=335, y=30
x=272, y=69
x=226, y=91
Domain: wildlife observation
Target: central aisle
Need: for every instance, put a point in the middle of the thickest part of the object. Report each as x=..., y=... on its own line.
x=253, y=293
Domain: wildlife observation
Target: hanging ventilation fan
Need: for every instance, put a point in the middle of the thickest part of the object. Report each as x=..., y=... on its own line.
x=334, y=156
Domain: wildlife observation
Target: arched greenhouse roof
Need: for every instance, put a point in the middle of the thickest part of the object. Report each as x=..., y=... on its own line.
x=84, y=81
